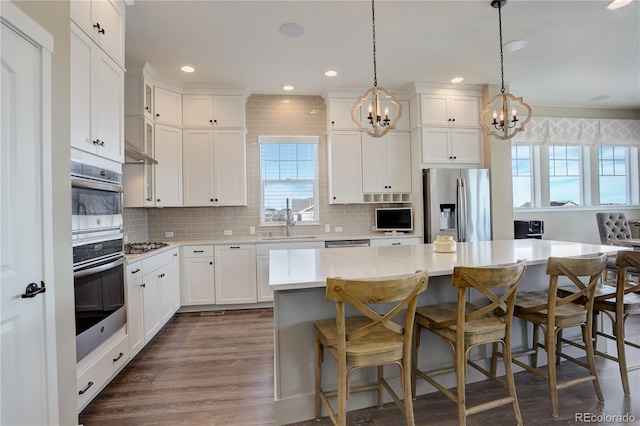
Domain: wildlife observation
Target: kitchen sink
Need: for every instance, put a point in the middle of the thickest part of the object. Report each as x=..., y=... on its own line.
x=293, y=237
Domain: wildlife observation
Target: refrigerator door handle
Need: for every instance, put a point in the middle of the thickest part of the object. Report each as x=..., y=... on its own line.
x=460, y=219
x=463, y=210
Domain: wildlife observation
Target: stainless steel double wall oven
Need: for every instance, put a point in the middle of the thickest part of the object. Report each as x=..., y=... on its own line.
x=98, y=254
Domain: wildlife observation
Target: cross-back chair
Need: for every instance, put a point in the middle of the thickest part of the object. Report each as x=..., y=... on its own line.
x=552, y=313
x=464, y=325
x=617, y=300
x=372, y=339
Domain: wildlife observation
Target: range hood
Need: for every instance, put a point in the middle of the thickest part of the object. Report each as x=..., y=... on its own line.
x=132, y=155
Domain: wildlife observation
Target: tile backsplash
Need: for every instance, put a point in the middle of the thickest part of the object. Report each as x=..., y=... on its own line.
x=266, y=115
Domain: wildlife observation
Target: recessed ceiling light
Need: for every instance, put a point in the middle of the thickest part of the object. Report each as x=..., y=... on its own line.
x=288, y=88
x=331, y=73
x=457, y=79
x=515, y=45
x=187, y=68
x=617, y=4
x=600, y=98
x=291, y=29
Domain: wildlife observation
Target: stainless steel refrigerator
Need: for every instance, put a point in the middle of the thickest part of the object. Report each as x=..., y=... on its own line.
x=457, y=202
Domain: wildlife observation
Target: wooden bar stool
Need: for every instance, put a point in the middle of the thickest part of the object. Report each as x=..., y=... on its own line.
x=464, y=326
x=369, y=340
x=618, y=301
x=551, y=313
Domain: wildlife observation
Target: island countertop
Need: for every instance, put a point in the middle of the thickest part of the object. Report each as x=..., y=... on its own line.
x=309, y=268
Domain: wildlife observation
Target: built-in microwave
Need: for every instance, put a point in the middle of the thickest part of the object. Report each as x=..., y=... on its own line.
x=96, y=202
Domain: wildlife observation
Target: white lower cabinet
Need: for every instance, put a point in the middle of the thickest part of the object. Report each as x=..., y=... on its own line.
x=235, y=274
x=97, y=369
x=197, y=281
x=151, y=297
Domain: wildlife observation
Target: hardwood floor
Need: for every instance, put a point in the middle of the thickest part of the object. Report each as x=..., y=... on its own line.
x=218, y=370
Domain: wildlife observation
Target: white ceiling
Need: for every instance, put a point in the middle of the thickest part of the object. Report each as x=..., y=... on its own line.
x=577, y=50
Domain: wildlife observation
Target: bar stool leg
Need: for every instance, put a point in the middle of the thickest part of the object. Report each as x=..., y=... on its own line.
x=550, y=346
x=622, y=359
x=591, y=358
x=318, y=374
x=414, y=357
x=511, y=384
x=536, y=336
x=461, y=365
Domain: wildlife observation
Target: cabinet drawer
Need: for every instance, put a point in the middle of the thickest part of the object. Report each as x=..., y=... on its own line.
x=134, y=270
x=152, y=263
x=93, y=379
x=197, y=251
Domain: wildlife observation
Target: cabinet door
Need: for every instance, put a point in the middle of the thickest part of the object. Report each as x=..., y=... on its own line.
x=345, y=167
x=434, y=109
x=168, y=171
x=109, y=103
x=465, y=145
x=175, y=280
x=340, y=114
x=229, y=111
x=197, y=283
x=229, y=168
x=165, y=293
x=235, y=274
x=167, y=106
x=151, y=311
x=398, y=159
x=265, y=294
x=373, y=164
x=197, y=111
x=198, y=170
x=109, y=14
x=463, y=110
x=135, y=313
x=435, y=145
x=81, y=73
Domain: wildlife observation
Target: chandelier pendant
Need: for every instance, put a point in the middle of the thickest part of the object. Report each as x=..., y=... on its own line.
x=377, y=122
x=504, y=107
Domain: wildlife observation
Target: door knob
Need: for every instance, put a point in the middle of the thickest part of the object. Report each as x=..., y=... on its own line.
x=33, y=290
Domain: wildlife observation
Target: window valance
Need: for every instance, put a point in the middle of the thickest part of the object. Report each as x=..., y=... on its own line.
x=579, y=131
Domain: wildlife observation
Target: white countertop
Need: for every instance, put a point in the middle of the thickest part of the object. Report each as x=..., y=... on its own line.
x=307, y=268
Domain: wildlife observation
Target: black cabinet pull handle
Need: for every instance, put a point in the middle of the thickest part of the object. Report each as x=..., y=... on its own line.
x=396, y=244
x=198, y=251
x=97, y=25
x=118, y=357
x=33, y=290
x=235, y=247
x=135, y=271
x=143, y=285
x=85, y=389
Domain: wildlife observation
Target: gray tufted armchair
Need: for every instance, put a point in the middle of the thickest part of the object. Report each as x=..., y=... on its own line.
x=613, y=226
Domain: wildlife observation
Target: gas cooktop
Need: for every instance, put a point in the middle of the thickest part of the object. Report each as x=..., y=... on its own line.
x=137, y=248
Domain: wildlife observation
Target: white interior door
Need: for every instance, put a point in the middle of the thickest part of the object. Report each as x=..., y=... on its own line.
x=22, y=328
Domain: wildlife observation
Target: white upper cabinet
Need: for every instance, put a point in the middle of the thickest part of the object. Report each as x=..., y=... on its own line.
x=441, y=145
x=103, y=21
x=345, y=167
x=449, y=110
x=386, y=163
x=214, y=165
x=213, y=111
x=139, y=96
x=97, y=99
x=167, y=107
x=168, y=171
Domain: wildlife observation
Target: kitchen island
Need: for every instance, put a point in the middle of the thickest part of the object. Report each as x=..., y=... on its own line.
x=298, y=280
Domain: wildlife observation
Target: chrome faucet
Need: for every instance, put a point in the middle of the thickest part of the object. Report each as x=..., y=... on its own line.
x=290, y=221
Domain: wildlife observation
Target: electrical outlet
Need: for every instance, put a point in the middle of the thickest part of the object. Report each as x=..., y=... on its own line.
x=169, y=234
x=327, y=228
x=252, y=230
x=338, y=228
x=228, y=232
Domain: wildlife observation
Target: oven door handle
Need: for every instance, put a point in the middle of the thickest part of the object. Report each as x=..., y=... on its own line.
x=90, y=184
x=96, y=269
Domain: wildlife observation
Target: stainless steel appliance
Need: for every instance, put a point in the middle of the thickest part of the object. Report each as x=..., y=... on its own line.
x=528, y=229
x=457, y=202
x=96, y=202
x=98, y=281
x=347, y=243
